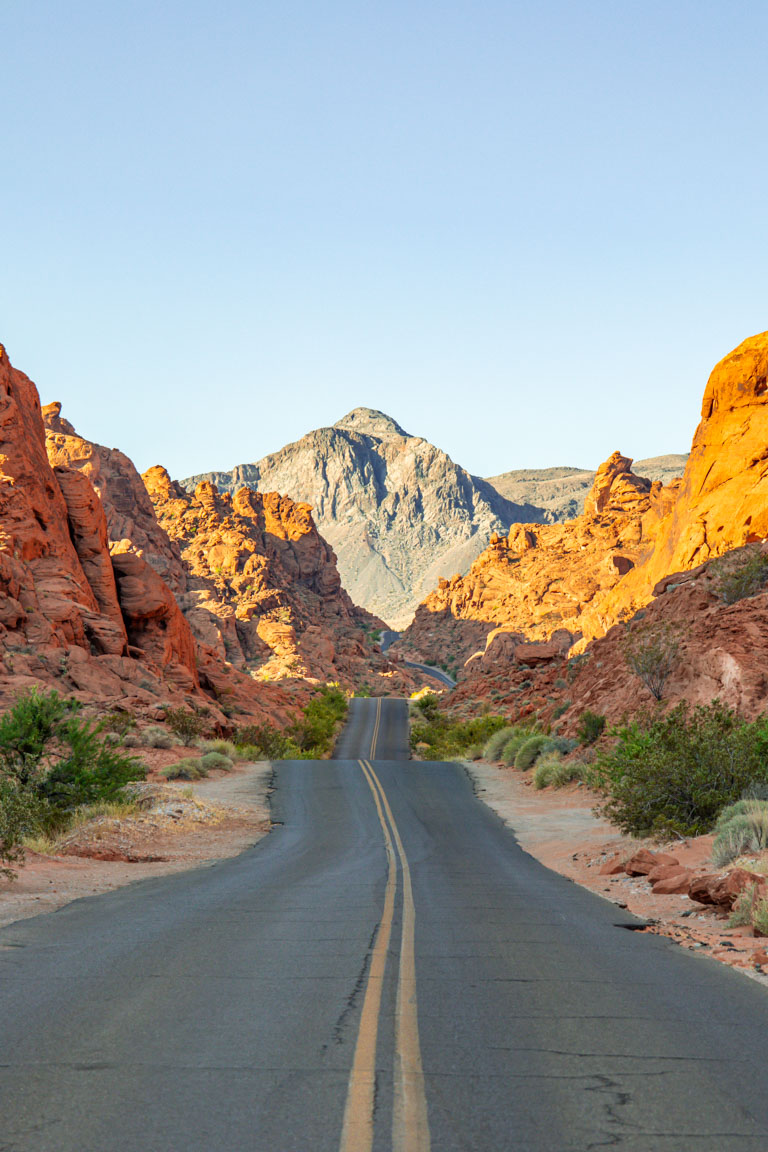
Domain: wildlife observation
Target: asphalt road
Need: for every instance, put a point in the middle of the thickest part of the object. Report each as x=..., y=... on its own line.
x=387, y=971
x=386, y=642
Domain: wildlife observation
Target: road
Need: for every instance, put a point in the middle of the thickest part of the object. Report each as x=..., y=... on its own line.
x=388, y=639
x=386, y=972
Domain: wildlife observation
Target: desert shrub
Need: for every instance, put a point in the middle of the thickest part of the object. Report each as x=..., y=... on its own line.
x=737, y=580
x=52, y=761
x=741, y=831
x=448, y=739
x=186, y=723
x=216, y=762
x=119, y=722
x=545, y=766
x=132, y=740
x=590, y=727
x=531, y=749
x=651, y=653
x=760, y=916
x=155, y=736
x=265, y=742
x=512, y=746
x=314, y=734
x=561, y=709
x=189, y=768
x=494, y=745
x=224, y=747
x=676, y=772
x=428, y=706
x=20, y=816
x=474, y=752
x=566, y=771
x=743, y=908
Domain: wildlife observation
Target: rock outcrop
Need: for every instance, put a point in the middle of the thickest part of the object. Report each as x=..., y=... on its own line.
x=562, y=492
x=66, y=615
x=638, y=547
x=544, y=583
x=396, y=510
x=263, y=587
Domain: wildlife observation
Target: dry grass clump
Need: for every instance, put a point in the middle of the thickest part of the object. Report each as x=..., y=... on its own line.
x=741, y=828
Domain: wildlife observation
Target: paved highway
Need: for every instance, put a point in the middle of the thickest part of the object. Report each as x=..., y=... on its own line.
x=386, y=642
x=386, y=972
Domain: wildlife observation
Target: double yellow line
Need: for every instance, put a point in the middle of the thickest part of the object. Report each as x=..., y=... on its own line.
x=410, y=1128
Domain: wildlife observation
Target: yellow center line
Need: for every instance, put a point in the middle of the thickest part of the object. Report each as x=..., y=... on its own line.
x=357, y=1130
x=410, y=1125
x=376, y=729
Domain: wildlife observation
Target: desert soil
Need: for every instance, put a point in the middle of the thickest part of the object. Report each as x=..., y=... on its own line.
x=183, y=826
x=560, y=829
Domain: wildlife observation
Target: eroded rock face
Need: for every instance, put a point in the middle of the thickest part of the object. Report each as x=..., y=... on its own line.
x=102, y=627
x=544, y=583
x=396, y=510
x=263, y=588
x=637, y=547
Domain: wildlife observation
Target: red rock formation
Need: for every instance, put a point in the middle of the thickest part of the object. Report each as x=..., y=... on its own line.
x=544, y=583
x=263, y=587
x=103, y=628
x=641, y=554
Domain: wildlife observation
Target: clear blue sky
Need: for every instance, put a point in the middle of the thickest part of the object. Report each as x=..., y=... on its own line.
x=525, y=230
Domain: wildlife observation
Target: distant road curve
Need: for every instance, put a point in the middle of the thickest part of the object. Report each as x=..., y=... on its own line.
x=386, y=642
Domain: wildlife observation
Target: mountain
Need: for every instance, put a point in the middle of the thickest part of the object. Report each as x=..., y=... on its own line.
x=255, y=582
x=398, y=512
x=563, y=491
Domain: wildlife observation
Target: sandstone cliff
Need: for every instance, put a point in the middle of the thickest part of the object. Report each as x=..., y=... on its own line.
x=263, y=587
x=69, y=615
x=545, y=583
x=255, y=581
x=664, y=544
x=396, y=510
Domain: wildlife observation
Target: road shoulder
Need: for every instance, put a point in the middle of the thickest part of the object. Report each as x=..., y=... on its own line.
x=184, y=828
x=561, y=830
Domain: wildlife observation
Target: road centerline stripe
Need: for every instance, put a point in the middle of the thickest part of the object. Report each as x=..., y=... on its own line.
x=410, y=1123
x=357, y=1130
x=376, y=729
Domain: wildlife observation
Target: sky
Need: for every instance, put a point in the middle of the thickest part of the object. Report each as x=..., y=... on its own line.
x=527, y=231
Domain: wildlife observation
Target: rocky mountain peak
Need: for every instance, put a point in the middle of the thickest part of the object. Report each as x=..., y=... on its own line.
x=370, y=422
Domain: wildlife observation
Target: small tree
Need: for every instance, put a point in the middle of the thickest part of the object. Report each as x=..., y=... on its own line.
x=651, y=653
x=186, y=723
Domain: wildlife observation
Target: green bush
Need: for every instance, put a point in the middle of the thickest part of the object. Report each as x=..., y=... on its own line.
x=314, y=735
x=265, y=742
x=531, y=749
x=651, y=653
x=737, y=579
x=675, y=773
x=590, y=727
x=51, y=762
x=190, y=768
x=156, y=736
x=561, y=709
x=448, y=739
x=512, y=746
x=21, y=815
x=741, y=828
x=224, y=747
x=544, y=769
x=494, y=745
x=216, y=762
x=186, y=723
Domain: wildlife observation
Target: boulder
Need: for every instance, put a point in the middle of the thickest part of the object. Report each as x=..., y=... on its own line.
x=644, y=861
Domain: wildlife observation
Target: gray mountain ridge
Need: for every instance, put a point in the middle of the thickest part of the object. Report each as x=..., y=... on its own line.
x=398, y=512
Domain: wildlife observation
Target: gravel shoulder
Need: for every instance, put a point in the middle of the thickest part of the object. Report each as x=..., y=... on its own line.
x=181, y=827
